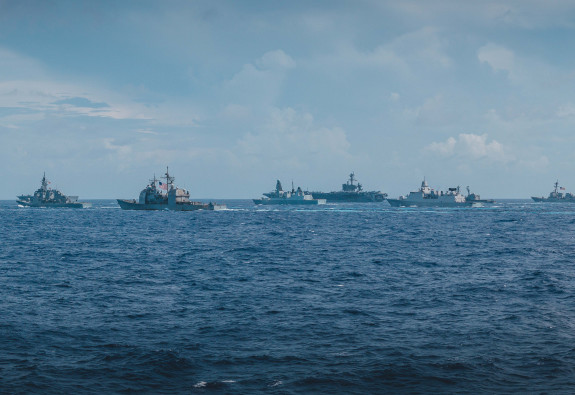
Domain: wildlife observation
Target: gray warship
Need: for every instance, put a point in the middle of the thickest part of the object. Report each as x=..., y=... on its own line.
x=475, y=198
x=48, y=197
x=351, y=192
x=555, y=196
x=281, y=197
x=165, y=196
x=428, y=197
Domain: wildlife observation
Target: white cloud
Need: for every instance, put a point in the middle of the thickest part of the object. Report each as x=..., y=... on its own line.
x=17, y=66
x=46, y=97
x=524, y=14
x=420, y=46
x=538, y=164
x=445, y=148
x=236, y=111
x=424, y=45
x=378, y=57
x=566, y=110
x=433, y=111
x=292, y=138
x=122, y=150
x=470, y=147
x=259, y=83
x=405, y=55
x=146, y=131
x=277, y=59
x=477, y=147
x=26, y=84
x=317, y=22
x=498, y=57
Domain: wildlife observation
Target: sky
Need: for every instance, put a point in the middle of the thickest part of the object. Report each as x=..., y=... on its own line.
x=232, y=95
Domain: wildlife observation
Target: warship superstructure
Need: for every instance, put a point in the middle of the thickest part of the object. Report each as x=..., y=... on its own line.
x=279, y=196
x=475, y=198
x=428, y=197
x=48, y=197
x=351, y=192
x=165, y=196
x=555, y=196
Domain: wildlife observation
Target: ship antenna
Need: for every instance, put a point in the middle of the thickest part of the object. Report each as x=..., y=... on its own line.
x=44, y=182
x=169, y=180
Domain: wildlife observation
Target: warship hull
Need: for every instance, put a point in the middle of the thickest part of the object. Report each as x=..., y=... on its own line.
x=490, y=201
x=54, y=205
x=349, y=197
x=192, y=206
x=552, y=200
x=351, y=192
x=289, y=202
x=407, y=203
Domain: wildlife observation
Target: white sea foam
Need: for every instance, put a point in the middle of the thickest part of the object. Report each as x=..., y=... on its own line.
x=201, y=384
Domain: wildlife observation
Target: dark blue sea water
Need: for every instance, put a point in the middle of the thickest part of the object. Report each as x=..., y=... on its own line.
x=338, y=299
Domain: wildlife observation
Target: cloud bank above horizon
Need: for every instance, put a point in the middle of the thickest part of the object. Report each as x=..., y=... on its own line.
x=234, y=95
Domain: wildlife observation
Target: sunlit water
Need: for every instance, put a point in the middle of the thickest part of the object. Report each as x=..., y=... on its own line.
x=350, y=298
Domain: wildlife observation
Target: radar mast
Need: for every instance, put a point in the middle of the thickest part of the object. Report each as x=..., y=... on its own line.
x=169, y=180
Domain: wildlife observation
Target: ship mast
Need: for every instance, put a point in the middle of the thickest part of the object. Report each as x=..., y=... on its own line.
x=44, y=182
x=556, y=185
x=169, y=180
x=153, y=181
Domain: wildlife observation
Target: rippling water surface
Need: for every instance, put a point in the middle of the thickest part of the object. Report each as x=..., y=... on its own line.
x=342, y=298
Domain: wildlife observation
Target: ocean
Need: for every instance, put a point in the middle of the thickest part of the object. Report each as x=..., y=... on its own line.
x=348, y=298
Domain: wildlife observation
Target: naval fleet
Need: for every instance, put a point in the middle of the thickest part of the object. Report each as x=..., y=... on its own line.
x=158, y=195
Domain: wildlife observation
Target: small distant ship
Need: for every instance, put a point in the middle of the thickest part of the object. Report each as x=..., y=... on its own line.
x=279, y=196
x=48, y=197
x=152, y=198
x=428, y=197
x=555, y=196
x=475, y=198
x=351, y=192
